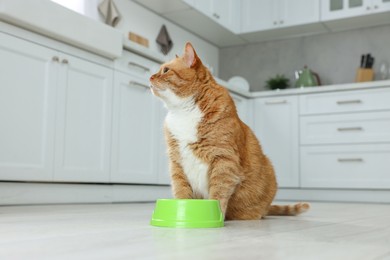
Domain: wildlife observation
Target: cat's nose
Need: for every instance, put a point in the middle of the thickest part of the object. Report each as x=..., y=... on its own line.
x=152, y=77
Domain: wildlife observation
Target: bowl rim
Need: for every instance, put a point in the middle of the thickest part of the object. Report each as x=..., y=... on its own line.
x=213, y=223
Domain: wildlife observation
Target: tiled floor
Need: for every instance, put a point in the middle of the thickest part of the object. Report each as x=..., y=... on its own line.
x=122, y=231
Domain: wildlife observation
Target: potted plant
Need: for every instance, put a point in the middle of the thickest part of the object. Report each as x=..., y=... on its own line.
x=278, y=82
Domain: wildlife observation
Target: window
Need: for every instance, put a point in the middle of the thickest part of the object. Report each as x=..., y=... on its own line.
x=75, y=5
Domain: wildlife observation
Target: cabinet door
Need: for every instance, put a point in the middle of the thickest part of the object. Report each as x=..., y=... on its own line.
x=258, y=15
x=276, y=125
x=204, y=6
x=83, y=121
x=27, y=100
x=227, y=13
x=299, y=12
x=135, y=131
x=338, y=9
x=381, y=5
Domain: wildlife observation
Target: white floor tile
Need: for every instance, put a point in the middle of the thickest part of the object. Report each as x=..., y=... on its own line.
x=122, y=231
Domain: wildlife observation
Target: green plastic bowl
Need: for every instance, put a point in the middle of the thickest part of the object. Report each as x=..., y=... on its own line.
x=190, y=213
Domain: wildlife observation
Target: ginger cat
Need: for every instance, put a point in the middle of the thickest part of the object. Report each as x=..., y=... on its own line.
x=213, y=154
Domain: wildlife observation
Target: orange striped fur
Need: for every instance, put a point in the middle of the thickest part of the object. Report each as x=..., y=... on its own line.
x=213, y=154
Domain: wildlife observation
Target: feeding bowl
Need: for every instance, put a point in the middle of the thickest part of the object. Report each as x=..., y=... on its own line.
x=187, y=213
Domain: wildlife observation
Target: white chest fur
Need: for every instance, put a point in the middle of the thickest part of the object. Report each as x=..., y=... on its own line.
x=183, y=125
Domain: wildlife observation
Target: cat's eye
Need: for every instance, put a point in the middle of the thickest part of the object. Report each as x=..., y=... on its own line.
x=165, y=70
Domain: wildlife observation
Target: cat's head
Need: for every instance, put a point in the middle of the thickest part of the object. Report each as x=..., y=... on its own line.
x=179, y=80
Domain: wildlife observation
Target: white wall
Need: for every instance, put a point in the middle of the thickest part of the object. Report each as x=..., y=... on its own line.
x=137, y=19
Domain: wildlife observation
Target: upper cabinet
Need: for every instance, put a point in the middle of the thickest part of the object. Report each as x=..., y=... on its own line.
x=340, y=9
x=235, y=22
x=224, y=12
x=260, y=15
x=339, y=15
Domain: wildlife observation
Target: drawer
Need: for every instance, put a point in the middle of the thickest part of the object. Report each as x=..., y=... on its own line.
x=365, y=127
x=134, y=64
x=349, y=166
x=345, y=101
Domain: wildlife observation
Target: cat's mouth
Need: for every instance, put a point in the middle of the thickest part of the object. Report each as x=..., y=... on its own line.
x=155, y=89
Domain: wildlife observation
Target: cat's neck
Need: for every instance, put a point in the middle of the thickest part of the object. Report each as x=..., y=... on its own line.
x=180, y=105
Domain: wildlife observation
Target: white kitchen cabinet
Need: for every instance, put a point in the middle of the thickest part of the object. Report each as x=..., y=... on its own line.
x=27, y=105
x=339, y=9
x=242, y=106
x=261, y=15
x=83, y=136
x=225, y=12
x=346, y=166
x=135, y=127
x=345, y=139
x=138, y=145
x=56, y=115
x=276, y=125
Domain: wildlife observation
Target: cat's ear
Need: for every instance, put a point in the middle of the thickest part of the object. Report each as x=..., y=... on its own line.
x=190, y=56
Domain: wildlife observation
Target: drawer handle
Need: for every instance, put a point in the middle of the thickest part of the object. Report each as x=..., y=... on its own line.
x=341, y=160
x=342, y=129
x=137, y=84
x=276, y=102
x=344, y=102
x=146, y=69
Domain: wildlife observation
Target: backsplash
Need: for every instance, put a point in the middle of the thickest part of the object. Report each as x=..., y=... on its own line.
x=334, y=56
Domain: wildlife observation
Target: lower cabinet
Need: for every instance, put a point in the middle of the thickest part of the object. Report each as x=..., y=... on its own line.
x=346, y=166
x=55, y=113
x=135, y=127
x=276, y=126
x=83, y=121
x=27, y=110
x=138, y=152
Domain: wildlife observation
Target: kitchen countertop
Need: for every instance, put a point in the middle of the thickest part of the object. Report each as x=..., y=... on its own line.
x=59, y=22
x=309, y=90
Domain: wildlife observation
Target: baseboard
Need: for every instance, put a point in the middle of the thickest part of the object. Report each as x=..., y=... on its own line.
x=21, y=193
x=18, y=193
x=334, y=195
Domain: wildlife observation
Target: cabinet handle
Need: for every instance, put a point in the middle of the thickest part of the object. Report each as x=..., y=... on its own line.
x=275, y=22
x=344, y=102
x=55, y=59
x=342, y=129
x=375, y=7
x=216, y=15
x=276, y=102
x=368, y=8
x=342, y=160
x=146, y=69
x=137, y=84
x=65, y=61
x=281, y=22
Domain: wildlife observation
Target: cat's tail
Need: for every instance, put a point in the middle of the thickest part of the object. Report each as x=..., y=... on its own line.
x=288, y=210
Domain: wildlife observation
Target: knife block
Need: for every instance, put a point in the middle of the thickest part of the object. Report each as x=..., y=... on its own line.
x=364, y=75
